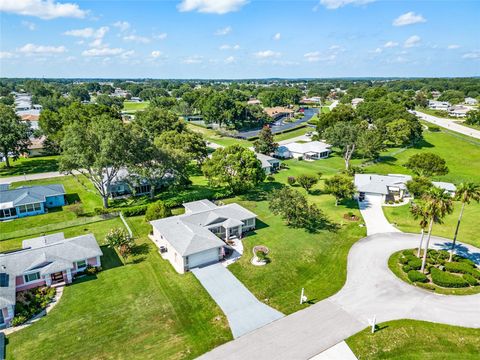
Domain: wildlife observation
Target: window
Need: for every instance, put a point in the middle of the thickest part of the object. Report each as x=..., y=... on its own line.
x=81, y=264
x=32, y=277
x=29, y=208
x=6, y=213
x=2, y=320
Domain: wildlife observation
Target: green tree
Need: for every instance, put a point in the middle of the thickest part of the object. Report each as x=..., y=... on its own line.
x=157, y=210
x=190, y=142
x=265, y=143
x=121, y=241
x=419, y=185
x=465, y=193
x=344, y=136
x=154, y=121
x=427, y=164
x=398, y=132
x=96, y=151
x=235, y=167
x=340, y=187
x=307, y=181
x=473, y=117
x=419, y=212
x=14, y=134
x=438, y=204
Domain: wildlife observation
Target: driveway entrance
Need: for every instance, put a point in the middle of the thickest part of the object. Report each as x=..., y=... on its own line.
x=244, y=312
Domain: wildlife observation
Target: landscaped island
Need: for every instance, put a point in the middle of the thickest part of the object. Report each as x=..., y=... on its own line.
x=458, y=277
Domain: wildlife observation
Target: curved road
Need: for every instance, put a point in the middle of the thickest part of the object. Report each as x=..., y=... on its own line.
x=371, y=289
x=448, y=124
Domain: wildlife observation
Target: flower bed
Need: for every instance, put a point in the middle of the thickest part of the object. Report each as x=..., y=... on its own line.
x=260, y=257
x=459, y=277
x=31, y=302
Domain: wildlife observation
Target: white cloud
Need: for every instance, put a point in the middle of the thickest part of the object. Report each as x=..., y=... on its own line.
x=161, y=36
x=472, y=55
x=277, y=36
x=453, y=46
x=156, y=54
x=377, y=51
x=390, y=44
x=136, y=38
x=229, y=47
x=86, y=33
x=6, y=55
x=195, y=59
x=412, y=41
x=42, y=49
x=122, y=25
x=211, y=6
x=29, y=25
x=224, y=31
x=315, y=56
x=127, y=54
x=335, y=4
x=230, y=60
x=101, y=52
x=409, y=18
x=266, y=54
x=44, y=9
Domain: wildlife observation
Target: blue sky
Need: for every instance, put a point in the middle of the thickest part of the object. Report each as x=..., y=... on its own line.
x=238, y=38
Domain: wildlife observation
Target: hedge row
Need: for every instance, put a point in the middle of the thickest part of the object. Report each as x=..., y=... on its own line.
x=446, y=279
x=462, y=268
x=417, y=276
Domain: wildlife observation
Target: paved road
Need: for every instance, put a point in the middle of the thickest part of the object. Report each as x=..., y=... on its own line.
x=372, y=212
x=244, y=312
x=448, y=124
x=46, y=175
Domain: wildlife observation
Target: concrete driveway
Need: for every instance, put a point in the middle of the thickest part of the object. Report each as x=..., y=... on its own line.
x=244, y=312
x=371, y=289
x=372, y=212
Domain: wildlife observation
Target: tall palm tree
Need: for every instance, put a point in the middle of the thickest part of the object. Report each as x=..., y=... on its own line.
x=438, y=203
x=465, y=193
x=419, y=211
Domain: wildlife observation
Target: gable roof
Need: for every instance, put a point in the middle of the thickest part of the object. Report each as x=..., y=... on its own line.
x=379, y=184
x=266, y=160
x=29, y=194
x=311, y=146
x=190, y=233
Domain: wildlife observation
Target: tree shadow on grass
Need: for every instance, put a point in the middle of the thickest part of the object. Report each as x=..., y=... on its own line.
x=110, y=258
x=141, y=249
x=72, y=198
x=84, y=278
x=349, y=203
x=461, y=250
x=380, y=327
x=260, y=193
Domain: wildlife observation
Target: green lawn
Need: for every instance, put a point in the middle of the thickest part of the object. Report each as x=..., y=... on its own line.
x=134, y=106
x=143, y=310
x=293, y=133
x=212, y=136
x=409, y=339
x=32, y=165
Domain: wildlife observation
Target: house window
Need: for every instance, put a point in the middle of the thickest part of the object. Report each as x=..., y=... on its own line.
x=81, y=264
x=6, y=213
x=2, y=320
x=29, y=208
x=31, y=277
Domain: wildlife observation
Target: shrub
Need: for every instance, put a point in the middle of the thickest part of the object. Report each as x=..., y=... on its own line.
x=415, y=264
x=446, y=279
x=157, y=210
x=404, y=260
x=433, y=128
x=270, y=178
x=92, y=270
x=470, y=279
x=18, y=320
x=460, y=267
x=406, y=268
x=417, y=276
x=77, y=209
x=464, y=260
x=291, y=180
x=134, y=210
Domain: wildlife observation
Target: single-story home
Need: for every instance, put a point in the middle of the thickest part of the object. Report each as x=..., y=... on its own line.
x=277, y=112
x=36, y=146
x=355, y=102
x=438, y=105
x=44, y=261
x=269, y=164
x=458, y=111
x=448, y=187
x=312, y=150
x=254, y=102
x=121, y=184
x=199, y=236
x=471, y=101
x=391, y=187
x=30, y=200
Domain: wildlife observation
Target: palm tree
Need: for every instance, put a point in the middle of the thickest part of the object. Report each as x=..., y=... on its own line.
x=465, y=193
x=438, y=203
x=419, y=211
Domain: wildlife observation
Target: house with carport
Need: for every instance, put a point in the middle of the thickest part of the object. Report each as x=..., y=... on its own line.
x=311, y=150
x=391, y=187
x=49, y=260
x=201, y=235
x=269, y=164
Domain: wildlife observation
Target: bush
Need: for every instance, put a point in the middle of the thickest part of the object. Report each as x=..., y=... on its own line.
x=460, y=267
x=157, y=210
x=415, y=263
x=470, y=279
x=77, y=209
x=433, y=128
x=406, y=268
x=291, y=180
x=404, y=260
x=446, y=279
x=134, y=210
x=18, y=320
x=417, y=276
x=270, y=178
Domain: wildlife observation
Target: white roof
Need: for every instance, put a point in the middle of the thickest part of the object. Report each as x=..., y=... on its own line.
x=189, y=233
x=445, y=186
x=379, y=184
x=311, y=146
x=266, y=160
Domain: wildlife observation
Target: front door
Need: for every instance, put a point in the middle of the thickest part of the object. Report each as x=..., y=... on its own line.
x=57, y=277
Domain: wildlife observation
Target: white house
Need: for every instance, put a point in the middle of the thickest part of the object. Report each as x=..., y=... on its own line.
x=458, y=111
x=312, y=150
x=269, y=164
x=356, y=101
x=448, y=187
x=390, y=187
x=438, y=105
x=199, y=236
x=471, y=101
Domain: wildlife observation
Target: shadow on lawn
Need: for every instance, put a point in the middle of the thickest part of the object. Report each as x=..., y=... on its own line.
x=30, y=167
x=110, y=259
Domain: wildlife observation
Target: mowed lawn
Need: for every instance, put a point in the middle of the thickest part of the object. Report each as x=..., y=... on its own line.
x=32, y=165
x=141, y=310
x=130, y=106
x=411, y=340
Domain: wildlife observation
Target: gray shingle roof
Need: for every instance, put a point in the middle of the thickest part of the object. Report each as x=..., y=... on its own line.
x=379, y=184
x=29, y=194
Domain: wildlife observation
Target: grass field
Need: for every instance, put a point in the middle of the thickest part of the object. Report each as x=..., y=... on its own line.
x=132, y=107
x=416, y=340
x=142, y=310
x=32, y=165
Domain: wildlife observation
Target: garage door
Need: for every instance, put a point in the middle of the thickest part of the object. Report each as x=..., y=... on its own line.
x=203, y=258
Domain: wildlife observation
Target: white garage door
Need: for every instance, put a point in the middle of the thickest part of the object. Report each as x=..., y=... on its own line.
x=203, y=258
